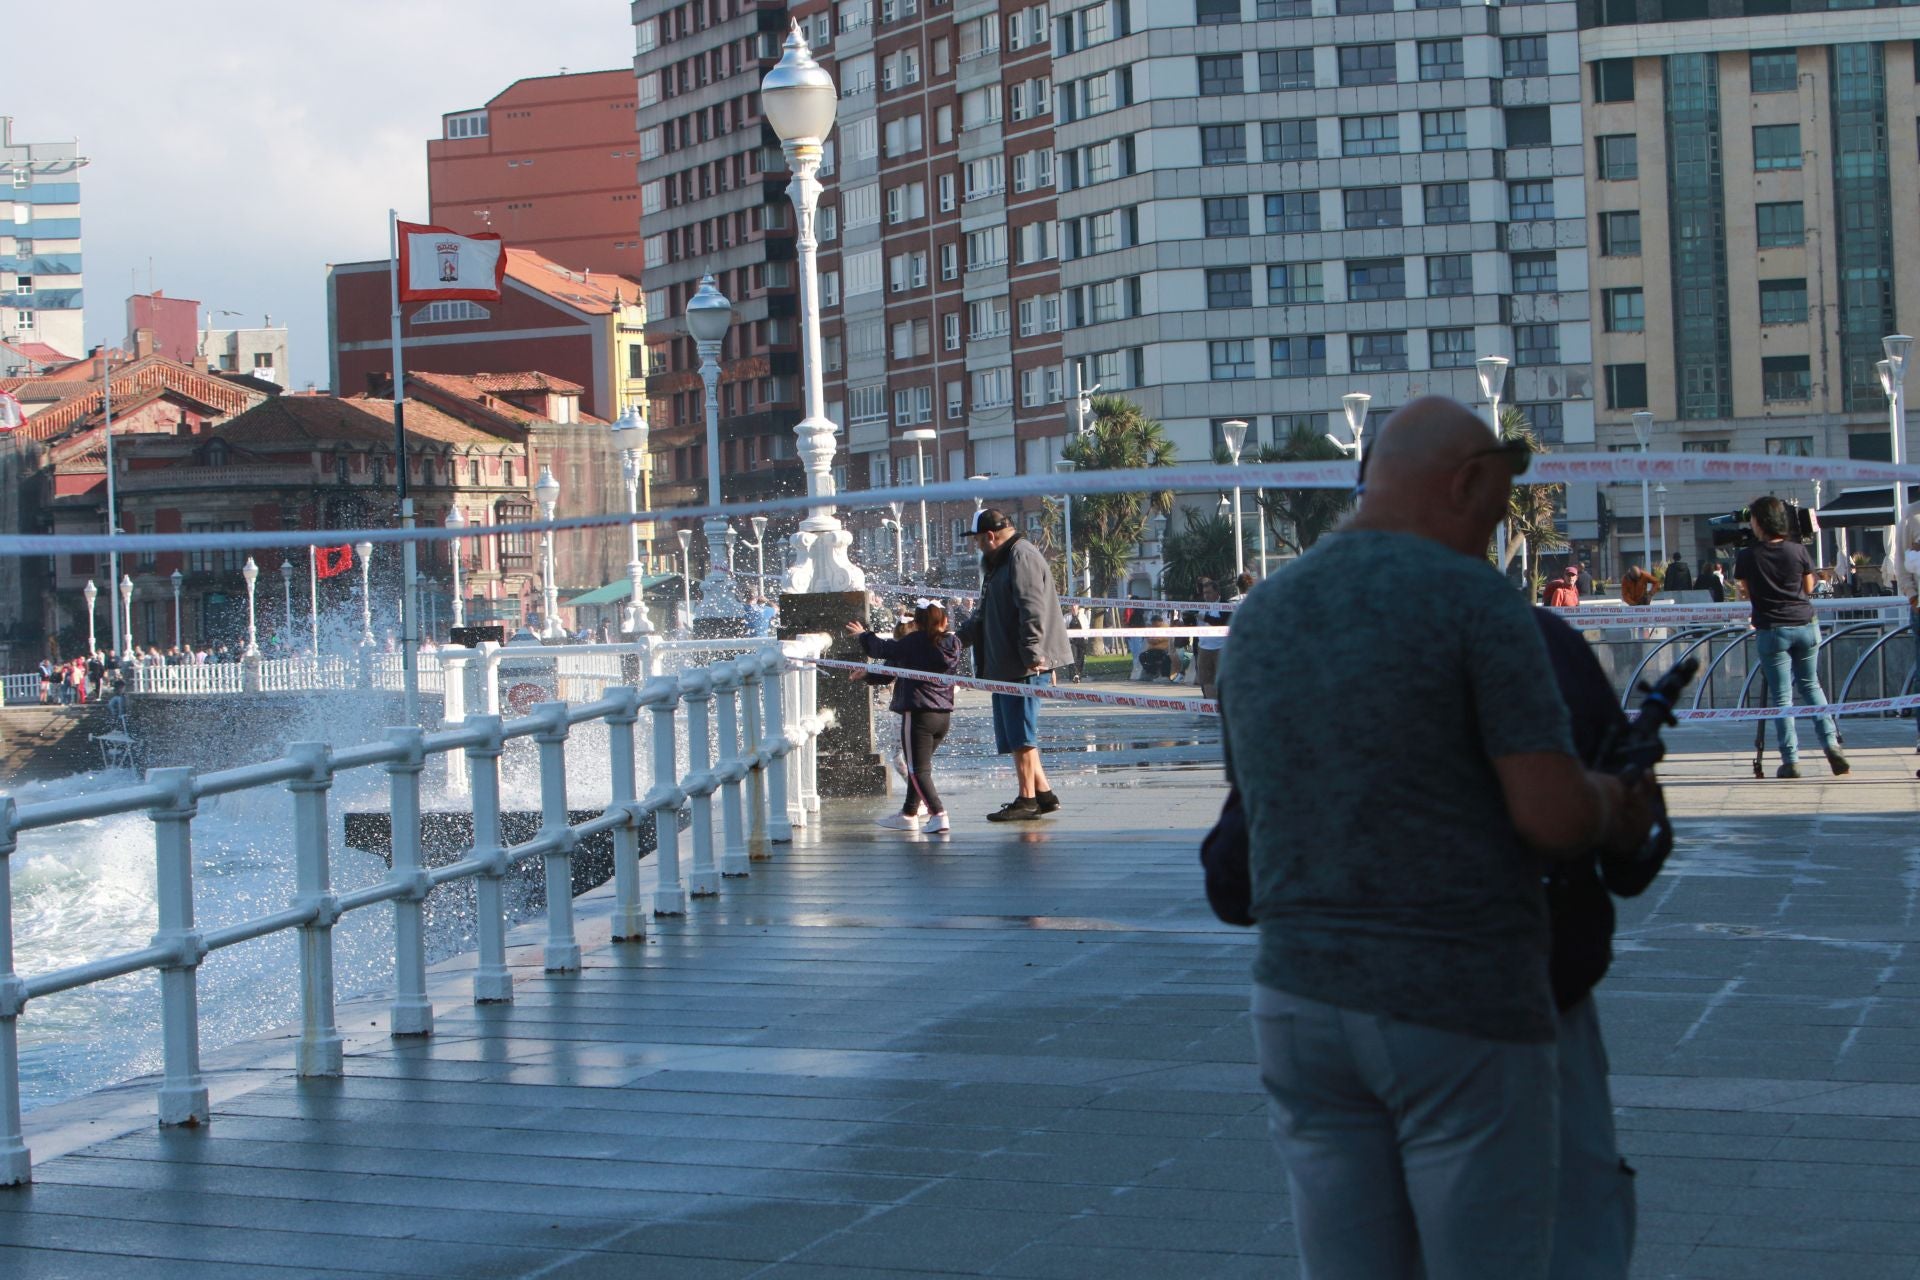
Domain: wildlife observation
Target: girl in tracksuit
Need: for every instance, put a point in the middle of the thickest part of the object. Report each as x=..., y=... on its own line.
x=925, y=708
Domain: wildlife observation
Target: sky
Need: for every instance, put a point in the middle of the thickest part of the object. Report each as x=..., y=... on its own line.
x=237, y=149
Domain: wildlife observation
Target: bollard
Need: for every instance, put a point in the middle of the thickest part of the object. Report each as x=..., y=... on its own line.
x=319, y=1052
x=696, y=691
x=411, y=1013
x=664, y=798
x=753, y=754
x=776, y=744
x=16, y=1162
x=729, y=768
x=629, y=913
x=492, y=983
x=183, y=1094
x=562, y=951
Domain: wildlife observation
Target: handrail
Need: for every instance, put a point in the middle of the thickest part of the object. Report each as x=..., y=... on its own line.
x=1633, y=681
x=1853, y=673
x=771, y=770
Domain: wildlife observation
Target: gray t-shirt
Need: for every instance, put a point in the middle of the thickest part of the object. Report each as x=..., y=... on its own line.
x=1368, y=689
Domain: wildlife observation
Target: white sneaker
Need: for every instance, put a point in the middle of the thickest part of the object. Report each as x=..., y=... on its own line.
x=898, y=822
x=936, y=824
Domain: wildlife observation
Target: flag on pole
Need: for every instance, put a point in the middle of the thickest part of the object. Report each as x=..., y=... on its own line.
x=11, y=415
x=331, y=562
x=437, y=264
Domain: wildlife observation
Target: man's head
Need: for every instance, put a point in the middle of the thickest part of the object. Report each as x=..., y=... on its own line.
x=1769, y=518
x=1573, y=573
x=1208, y=591
x=1436, y=471
x=991, y=530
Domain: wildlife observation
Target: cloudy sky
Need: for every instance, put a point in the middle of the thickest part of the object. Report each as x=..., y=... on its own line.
x=239, y=148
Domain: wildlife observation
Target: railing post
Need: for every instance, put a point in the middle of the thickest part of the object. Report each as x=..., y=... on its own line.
x=664, y=797
x=729, y=768
x=794, y=687
x=412, y=1012
x=16, y=1162
x=753, y=753
x=810, y=754
x=562, y=951
x=778, y=749
x=492, y=983
x=696, y=690
x=319, y=1052
x=453, y=709
x=629, y=913
x=183, y=1094
x=490, y=678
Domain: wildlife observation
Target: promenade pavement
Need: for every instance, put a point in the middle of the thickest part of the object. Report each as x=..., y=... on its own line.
x=1021, y=1052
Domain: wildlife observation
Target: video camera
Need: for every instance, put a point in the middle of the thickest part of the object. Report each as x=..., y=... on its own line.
x=1633, y=751
x=1731, y=530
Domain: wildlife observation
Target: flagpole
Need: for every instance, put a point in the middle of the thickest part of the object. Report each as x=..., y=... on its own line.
x=410, y=553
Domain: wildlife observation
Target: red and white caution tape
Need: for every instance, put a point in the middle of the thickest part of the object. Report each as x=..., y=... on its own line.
x=1870, y=707
x=1092, y=602
x=1055, y=693
x=1676, y=615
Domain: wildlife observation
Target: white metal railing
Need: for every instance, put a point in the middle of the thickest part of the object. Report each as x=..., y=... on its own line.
x=19, y=689
x=764, y=772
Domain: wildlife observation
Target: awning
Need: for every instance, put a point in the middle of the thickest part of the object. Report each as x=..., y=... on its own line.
x=1865, y=508
x=615, y=592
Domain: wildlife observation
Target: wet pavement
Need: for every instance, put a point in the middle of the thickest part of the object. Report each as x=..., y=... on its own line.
x=1023, y=1052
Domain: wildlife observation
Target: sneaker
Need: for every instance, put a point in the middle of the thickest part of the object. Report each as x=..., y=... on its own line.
x=898, y=822
x=1047, y=801
x=1838, y=763
x=937, y=825
x=1025, y=809
x=1788, y=770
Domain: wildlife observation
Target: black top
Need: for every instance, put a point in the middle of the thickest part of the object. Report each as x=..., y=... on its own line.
x=917, y=651
x=1775, y=574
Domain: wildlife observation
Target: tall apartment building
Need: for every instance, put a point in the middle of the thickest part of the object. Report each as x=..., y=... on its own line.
x=1752, y=170
x=549, y=164
x=40, y=296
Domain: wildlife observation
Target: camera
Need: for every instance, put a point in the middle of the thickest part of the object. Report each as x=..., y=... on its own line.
x=1731, y=529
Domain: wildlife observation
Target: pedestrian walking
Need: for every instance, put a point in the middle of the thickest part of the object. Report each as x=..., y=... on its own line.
x=1403, y=1012
x=1017, y=636
x=1776, y=576
x=1678, y=579
x=925, y=708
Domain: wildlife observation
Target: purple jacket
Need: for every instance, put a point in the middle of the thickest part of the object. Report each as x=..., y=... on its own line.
x=917, y=652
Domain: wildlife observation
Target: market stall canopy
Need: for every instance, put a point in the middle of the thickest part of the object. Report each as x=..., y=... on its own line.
x=1865, y=507
x=622, y=589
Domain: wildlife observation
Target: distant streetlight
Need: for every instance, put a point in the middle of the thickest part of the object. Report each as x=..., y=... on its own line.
x=250, y=574
x=126, y=610
x=1234, y=432
x=709, y=316
x=286, y=600
x=364, y=552
x=175, y=579
x=1355, y=403
x=686, y=571
x=630, y=434
x=92, y=593
x=921, y=436
x=457, y=520
x=546, y=491
x=1643, y=432
x=1493, y=378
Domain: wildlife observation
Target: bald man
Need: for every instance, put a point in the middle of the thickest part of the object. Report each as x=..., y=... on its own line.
x=1407, y=770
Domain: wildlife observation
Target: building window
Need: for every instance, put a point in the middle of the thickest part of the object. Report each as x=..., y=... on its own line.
x=1783, y=301
x=1283, y=69
x=1367, y=64
x=1377, y=352
x=1449, y=275
x=1774, y=70
x=1298, y=357
x=1625, y=310
x=1786, y=378
x=1535, y=344
x=1613, y=80
x=1443, y=131
x=1626, y=386
x=1440, y=60
x=1619, y=156
x=1373, y=207
x=1372, y=279
x=1781, y=224
x=1450, y=348
x=1529, y=127
x=1364, y=6
x=1222, y=74
x=1620, y=234
x=1210, y=12
x=1230, y=287
x=1536, y=272
x=1523, y=56
x=1294, y=282
x=1294, y=211
x=1530, y=201
x=1230, y=361
x=1223, y=144
x=1369, y=135
x=1446, y=202
x=1548, y=421
x=1226, y=216
x=1776, y=146
x=1290, y=140
x=1706, y=446
x=1790, y=446
x=1268, y=10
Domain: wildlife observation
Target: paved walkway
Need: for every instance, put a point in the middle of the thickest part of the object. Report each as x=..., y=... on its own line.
x=1023, y=1053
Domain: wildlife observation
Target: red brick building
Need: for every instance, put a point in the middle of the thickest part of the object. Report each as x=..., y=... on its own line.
x=173, y=323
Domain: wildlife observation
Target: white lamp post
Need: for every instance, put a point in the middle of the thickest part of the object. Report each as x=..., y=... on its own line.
x=286, y=600
x=175, y=579
x=92, y=593
x=733, y=540
x=546, y=491
x=1065, y=467
x=1493, y=378
x=760, y=554
x=1234, y=432
x=1158, y=525
x=686, y=571
x=364, y=552
x=899, y=541
x=126, y=612
x=799, y=100
x=1355, y=403
x=921, y=437
x=250, y=574
x=1660, y=496
x=456, y=519
x=630, y=434
x=709, y=316
x=1643, y=432
x=1893, y=380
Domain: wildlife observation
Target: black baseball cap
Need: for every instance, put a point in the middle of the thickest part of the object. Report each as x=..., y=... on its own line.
x=986, y=520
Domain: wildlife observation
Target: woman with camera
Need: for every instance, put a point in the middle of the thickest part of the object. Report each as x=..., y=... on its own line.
x=1776, y=576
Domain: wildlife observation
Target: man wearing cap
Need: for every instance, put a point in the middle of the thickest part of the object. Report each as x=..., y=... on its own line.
x=1017, y=635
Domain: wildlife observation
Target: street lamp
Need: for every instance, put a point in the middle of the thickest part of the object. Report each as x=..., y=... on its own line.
x=709, y=316
x=1355, y=403
x=364, y=551
x=286, y=600
x=1158, y=525
x=1643, y=432
x=250, y=574
x=92, y=593
x=1893, y=380
x=798, y=99
x=126, y=612
x=175, y=579
x=686, y=572
x=1493, y=377
x=456, y=519
x=899, y=541
x=1660, y=496
x=546, y=492
x=1065, y=466
x=630, y=432
x=733, y=540
x=921, y=436
x=1234, y=432
x=760, y=554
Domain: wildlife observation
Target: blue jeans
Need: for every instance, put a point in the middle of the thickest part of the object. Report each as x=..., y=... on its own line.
x=1913, y=677
x=1787, y=658
x=1593, y=1229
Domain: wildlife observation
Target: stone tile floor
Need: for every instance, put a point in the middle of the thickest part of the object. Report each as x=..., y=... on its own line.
x=1022, y=1053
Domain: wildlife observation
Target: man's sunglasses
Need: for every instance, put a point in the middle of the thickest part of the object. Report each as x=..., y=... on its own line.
x=1518, y=455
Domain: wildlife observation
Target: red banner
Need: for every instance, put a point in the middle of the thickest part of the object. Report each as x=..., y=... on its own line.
x=331, y=562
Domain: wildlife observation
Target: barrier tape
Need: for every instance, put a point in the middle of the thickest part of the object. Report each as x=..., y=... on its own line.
x=1548, y=468
x=1873, y=706
x=1096, y=602
x=1705, y=614
x=1056, y=693
x=1150, y=633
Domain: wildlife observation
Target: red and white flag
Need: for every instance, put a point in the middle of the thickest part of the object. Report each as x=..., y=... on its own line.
x=437, y=264
x=11, y=415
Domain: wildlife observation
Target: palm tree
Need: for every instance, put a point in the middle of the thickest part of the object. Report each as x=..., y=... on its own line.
x=1300, y=517
x=1532, y=509
x=1204, y=549
x=1108, y=526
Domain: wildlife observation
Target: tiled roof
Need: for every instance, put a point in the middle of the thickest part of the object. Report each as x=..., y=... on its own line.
x=36, y=353
x=526, y=382
x=483, y=391
x=76, y=401
x=581, y=290
x=356, y=420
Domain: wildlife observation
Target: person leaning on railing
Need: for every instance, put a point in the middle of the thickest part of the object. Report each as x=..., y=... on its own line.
x=1776, y=576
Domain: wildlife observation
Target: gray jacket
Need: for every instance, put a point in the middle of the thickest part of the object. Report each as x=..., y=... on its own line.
x=1018, y=624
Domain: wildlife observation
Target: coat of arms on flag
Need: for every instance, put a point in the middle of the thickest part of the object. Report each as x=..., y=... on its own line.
x=439, y=264
x=11, y=415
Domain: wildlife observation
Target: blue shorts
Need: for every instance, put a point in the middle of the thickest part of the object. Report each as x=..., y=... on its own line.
x=1016, y=720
